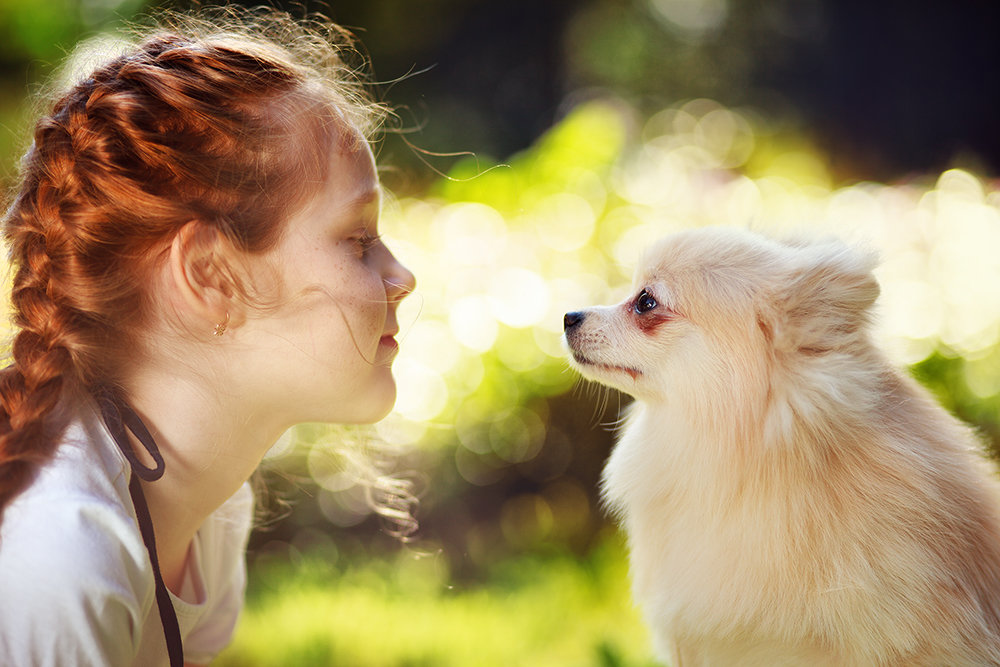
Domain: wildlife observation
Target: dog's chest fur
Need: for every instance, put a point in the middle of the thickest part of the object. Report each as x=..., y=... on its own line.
x=698, y=546
x=727, y=561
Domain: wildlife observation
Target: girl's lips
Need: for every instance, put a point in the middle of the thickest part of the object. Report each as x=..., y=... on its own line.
x=388, y=341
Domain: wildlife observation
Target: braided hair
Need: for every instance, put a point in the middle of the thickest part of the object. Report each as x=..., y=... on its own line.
x=226, y=126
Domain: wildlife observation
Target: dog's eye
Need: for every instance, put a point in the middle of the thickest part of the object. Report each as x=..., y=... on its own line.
x=644, y=302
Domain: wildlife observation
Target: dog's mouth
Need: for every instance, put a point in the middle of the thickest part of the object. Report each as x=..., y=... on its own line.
x=634, y=373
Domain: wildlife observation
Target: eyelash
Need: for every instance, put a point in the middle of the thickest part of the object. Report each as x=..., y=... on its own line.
x=365, y=242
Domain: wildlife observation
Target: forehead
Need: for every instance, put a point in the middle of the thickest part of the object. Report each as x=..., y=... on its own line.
x=351, y=178
x=348, y=195
x=352, y=165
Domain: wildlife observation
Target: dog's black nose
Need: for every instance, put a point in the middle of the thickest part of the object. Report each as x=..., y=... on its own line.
x=570, y=320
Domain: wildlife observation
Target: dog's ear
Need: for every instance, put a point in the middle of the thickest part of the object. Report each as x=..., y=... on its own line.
x=823, y=301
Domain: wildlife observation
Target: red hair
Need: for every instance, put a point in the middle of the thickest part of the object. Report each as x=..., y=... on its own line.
x=225, y=127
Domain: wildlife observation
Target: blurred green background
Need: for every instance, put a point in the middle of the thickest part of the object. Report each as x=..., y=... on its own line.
x=543, y=144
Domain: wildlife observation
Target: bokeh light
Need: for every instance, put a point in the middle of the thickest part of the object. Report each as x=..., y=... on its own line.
x=499, y=267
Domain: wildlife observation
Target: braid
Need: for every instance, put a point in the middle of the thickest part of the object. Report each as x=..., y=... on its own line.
x=221, y=126
x=46, y=346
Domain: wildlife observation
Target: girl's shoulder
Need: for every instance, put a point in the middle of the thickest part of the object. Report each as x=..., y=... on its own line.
x=76, y=509
x=70, y=554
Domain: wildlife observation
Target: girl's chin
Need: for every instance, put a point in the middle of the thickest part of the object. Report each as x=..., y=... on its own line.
x=374, y=410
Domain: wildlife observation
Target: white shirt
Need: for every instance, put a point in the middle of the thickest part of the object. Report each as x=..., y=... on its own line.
x=76, y=583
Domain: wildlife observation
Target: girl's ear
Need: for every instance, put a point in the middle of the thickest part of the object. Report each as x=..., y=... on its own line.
x=201, y=261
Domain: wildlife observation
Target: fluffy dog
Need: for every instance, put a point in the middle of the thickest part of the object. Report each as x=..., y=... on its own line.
x=789, y=497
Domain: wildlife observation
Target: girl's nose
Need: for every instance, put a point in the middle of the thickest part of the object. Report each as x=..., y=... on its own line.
x=399, y=280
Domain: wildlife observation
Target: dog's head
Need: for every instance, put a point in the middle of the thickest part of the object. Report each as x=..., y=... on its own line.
x=720, y=310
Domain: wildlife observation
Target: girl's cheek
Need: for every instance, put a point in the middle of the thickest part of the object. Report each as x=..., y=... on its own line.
x=367, y=297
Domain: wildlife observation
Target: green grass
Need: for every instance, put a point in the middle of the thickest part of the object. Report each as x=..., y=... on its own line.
x=402, y=612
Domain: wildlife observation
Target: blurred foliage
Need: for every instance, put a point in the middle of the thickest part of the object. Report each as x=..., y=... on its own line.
x=968, y=388
x=504, y=444
x=502, y=250
x=549, y=609
x=46, y=31
x=40, y=34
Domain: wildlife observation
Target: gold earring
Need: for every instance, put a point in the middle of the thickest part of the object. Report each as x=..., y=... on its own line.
x=220, y=328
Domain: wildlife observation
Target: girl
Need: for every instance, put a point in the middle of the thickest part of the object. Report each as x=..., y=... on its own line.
x=197, y=268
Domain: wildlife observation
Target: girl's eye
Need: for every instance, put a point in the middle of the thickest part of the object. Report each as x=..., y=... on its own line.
x=644, y=302
x=364, y=243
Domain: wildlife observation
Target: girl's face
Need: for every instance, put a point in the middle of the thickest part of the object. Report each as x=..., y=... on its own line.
x=327, y=348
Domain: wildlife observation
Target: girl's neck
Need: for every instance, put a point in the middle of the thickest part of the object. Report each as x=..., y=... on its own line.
x=211, y=443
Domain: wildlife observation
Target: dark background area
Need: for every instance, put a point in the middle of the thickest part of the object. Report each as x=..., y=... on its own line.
x=885, y=88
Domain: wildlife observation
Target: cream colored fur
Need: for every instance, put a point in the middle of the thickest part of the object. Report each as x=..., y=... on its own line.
x=789, y=497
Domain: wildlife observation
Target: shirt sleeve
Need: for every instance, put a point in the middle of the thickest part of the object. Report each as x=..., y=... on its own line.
x=74, y=584
x=220, y=561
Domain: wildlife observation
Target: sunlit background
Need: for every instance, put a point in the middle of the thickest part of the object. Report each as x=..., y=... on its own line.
x=575, y=133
